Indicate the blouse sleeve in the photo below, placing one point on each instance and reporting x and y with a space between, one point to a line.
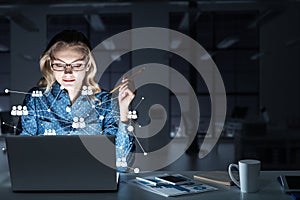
124 140
27 124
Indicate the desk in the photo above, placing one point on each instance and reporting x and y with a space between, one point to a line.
270 189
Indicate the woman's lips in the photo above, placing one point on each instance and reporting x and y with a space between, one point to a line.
68 80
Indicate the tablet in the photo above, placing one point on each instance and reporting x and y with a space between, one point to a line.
290 183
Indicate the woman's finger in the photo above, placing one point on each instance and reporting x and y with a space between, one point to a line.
122 86
121 90
124 79
126 93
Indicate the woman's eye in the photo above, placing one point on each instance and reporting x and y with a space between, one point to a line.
76 65
60 65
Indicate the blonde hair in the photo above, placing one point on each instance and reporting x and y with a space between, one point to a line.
45 65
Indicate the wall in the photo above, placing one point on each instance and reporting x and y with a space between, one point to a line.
279 81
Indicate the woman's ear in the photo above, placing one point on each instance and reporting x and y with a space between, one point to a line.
88 67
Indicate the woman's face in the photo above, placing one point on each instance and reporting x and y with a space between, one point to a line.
69 68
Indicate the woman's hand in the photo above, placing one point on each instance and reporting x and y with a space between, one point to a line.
125 98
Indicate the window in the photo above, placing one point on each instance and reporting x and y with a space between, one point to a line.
232 44
5 63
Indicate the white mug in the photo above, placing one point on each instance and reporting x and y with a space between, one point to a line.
249 171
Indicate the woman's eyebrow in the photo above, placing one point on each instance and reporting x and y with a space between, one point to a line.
80 59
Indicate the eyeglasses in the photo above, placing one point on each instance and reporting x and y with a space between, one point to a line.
59 65
64 66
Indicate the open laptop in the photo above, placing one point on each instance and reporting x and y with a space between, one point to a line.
62 163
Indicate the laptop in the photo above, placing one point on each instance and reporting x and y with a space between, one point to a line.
62 163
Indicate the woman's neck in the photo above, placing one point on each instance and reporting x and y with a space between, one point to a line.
73 94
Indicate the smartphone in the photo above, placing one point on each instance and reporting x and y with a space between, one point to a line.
174 179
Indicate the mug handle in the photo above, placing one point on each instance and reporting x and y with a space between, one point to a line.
230 173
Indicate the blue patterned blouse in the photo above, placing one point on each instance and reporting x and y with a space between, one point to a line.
53 114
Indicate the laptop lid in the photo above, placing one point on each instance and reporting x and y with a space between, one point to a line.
61 163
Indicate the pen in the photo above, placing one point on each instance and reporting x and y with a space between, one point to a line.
129 78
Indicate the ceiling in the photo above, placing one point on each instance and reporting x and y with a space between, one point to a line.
14 2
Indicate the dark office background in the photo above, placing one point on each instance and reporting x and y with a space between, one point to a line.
254 43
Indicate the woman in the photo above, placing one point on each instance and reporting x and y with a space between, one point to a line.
69 101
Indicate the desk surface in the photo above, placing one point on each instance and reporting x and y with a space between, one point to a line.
270 189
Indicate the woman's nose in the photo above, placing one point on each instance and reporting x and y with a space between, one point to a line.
68 70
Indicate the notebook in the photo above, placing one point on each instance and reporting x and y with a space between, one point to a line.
62 163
